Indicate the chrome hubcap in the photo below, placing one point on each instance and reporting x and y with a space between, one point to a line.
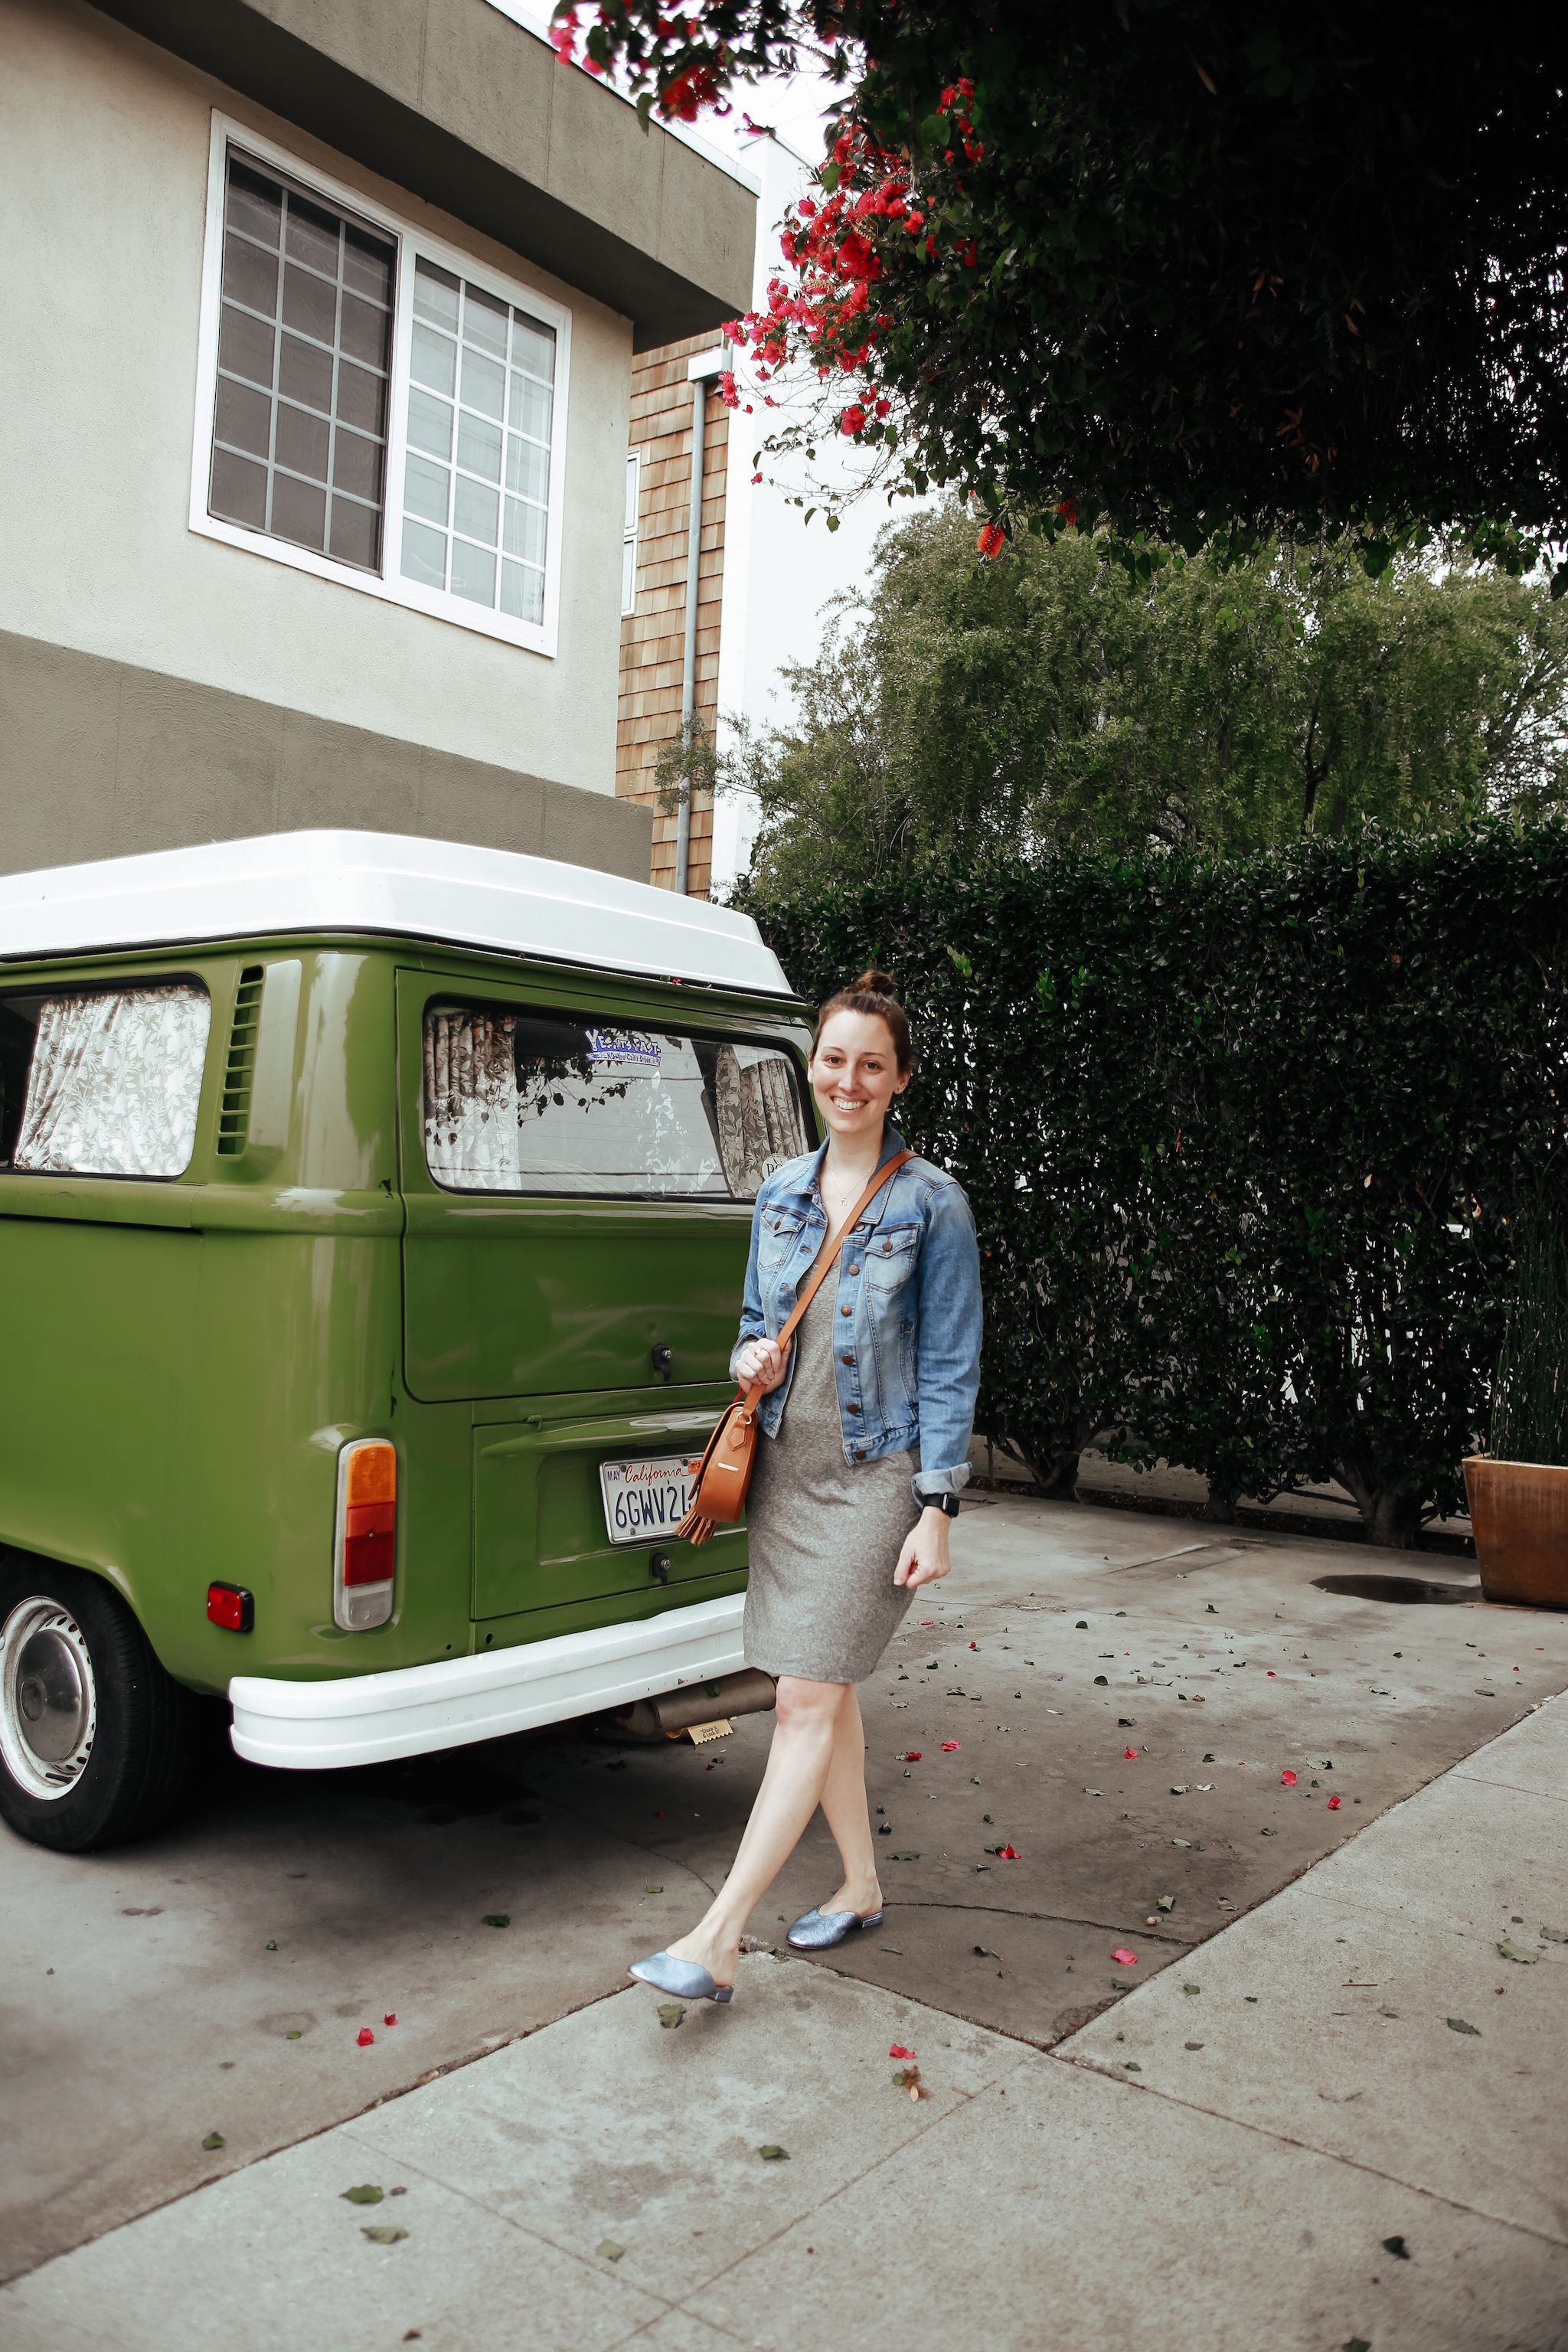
49 1703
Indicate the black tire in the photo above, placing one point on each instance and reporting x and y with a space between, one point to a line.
84 1706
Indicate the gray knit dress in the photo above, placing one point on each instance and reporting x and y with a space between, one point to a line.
824 1535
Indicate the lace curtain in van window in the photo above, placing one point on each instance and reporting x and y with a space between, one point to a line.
115 1082
758 1113
471 1139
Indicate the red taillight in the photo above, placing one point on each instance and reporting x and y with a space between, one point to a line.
232 1607
366 1532
369 1542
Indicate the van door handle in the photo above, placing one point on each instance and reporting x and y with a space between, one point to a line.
664 1361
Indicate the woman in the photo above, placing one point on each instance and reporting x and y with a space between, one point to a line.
864 1445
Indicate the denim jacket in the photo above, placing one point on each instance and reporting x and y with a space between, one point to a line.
907 1331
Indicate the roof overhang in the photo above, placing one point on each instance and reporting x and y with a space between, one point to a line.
383 884
466 108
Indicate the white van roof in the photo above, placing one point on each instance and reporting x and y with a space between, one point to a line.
389 883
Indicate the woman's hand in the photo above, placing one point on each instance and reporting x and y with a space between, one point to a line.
760 1364
925 1555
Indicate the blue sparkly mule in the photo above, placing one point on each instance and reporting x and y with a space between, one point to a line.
818 1931
684 1978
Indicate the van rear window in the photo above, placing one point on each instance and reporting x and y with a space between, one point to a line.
517 1102
102 1082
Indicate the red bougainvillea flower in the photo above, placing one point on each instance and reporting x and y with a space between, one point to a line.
928 1621
1130 1754
912 1754
1288 1780
1067 510
391 2018
1123 1958
975 1645
896 2050
365 2036
852 420
950 1747
755 478
989 543
1334 1804
1271 1673
1008 1853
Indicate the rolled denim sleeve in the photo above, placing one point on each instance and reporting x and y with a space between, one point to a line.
754 1323
949 1317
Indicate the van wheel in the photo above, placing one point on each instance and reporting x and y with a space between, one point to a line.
95 1737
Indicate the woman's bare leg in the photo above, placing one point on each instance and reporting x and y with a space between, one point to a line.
848 1815
813 1723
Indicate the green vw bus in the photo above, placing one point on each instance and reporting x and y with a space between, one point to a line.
374 1216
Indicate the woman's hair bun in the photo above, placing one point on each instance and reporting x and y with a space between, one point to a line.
877 984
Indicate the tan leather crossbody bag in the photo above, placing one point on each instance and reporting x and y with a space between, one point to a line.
724 1472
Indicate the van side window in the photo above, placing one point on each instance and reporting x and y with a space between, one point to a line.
520 1102
103 1082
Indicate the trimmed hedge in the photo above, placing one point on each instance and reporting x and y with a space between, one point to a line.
1244 1139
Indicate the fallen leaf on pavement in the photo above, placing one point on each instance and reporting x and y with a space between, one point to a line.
367 2193
773 2154
608 2248
213 2139
1555 1935
1101 1678
1186 1842
1397 2248
1165 1902
670 2012
981 1952
1178 1788
1094 1793
365 2037
496 1919
384 2233
906 1853
651 1889
1512 1951
1458 2025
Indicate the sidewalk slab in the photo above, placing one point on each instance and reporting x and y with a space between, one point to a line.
1323 2018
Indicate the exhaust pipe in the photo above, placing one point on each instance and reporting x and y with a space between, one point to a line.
750 1692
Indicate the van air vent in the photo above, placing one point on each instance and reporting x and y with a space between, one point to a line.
234 1116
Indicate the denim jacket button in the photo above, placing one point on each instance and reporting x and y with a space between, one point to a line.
844 1310
859 1453
852 1408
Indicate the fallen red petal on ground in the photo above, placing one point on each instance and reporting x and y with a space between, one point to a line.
365 2035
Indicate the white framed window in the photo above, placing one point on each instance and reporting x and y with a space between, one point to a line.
629 535
373 406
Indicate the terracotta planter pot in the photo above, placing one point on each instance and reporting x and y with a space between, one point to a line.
1518 1511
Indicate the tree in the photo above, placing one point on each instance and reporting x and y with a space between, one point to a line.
965 708
1195 265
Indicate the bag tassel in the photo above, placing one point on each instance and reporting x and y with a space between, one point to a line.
694 1529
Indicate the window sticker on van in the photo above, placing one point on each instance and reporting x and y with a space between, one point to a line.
519 1102
113 1079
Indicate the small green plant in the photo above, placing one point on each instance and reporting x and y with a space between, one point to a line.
1530 1393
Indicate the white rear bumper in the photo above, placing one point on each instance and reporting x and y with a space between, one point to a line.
367 1719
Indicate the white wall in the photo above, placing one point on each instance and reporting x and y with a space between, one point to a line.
105 142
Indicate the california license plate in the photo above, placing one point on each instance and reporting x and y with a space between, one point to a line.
645 1500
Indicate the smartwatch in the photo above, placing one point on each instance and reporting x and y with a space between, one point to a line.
946 1504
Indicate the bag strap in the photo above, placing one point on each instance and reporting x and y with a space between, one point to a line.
827 1258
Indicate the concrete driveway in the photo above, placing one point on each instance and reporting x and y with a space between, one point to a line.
217 1979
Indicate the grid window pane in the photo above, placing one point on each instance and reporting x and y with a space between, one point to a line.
238 490
356 533
311 400
522 593
473 572
244 418
478 446
299 511
428 489
436 293
492 366
429 425
303 442
424 555
476 511
527 469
